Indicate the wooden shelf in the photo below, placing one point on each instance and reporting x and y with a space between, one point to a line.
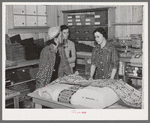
24 64
28 30
31 15
132 50
125 24
134 77
86 10
18 83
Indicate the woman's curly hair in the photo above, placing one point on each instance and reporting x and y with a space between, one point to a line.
102 31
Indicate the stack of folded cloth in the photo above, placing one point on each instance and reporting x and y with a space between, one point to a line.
28 49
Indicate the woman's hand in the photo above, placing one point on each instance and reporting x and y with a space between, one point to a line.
90 78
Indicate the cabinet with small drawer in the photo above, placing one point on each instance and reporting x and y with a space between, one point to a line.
29 16
83 22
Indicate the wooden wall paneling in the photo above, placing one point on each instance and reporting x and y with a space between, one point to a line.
51 11
128 14
6 20
137 13
129 29
126 18
118 29
35 36
137 29
43 35
62 7
117 13
58 10
9 17
27 35
123 18
111 16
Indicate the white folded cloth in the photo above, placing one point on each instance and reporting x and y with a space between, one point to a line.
94 97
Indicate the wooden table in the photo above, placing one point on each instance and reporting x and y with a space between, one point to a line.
39 102
11 94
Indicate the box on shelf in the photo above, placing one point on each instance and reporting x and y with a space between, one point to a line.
15 52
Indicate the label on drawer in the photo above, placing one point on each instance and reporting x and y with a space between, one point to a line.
69 16
78 20
87 19
77 16
69 20
97 16
87 23
69 23
78 23
97 23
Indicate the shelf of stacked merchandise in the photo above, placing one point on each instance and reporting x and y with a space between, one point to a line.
129 46
130 55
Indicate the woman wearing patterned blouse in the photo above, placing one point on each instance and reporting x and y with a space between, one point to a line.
53 62
104 60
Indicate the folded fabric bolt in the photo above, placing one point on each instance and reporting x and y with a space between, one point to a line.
52 91
93 97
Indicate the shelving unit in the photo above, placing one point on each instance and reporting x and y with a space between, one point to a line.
126 61
125 77
23 87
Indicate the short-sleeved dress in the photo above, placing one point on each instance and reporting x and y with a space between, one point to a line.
105 59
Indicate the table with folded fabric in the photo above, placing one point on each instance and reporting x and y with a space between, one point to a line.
40 101
74 91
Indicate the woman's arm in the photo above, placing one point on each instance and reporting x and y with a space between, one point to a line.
115 63
93 62
73 53
93 67
113 73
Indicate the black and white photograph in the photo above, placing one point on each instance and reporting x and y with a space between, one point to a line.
75 61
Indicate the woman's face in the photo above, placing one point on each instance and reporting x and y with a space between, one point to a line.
65 33
59 38
98 37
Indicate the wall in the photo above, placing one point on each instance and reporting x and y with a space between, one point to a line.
128 14
55 18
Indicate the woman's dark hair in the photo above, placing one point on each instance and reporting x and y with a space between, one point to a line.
102 31
63 27
52 40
